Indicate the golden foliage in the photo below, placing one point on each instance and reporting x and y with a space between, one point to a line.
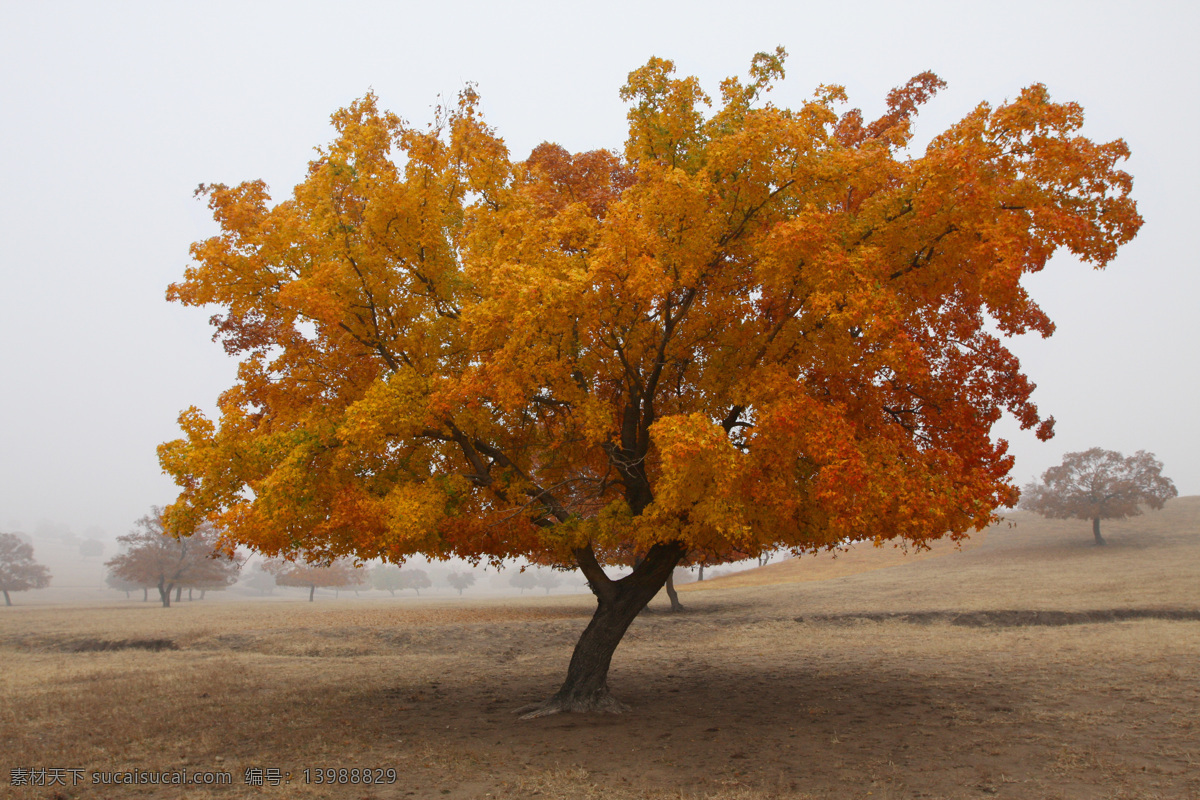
760 327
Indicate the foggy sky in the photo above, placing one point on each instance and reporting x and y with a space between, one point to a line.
112 114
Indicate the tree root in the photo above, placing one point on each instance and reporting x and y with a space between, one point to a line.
605 704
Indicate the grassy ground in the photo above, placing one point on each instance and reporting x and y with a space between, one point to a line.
916 678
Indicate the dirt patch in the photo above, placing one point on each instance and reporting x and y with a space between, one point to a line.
1007 618
53 645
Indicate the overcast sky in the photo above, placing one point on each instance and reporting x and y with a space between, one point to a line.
112 113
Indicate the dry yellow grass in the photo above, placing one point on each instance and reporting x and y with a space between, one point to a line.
773 691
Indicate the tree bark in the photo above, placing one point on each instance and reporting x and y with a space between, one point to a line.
701 574
617 604
7 599
145 593
311 591
178 592
1096 530
164 593
675 604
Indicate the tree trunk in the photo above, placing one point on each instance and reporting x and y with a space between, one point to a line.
311 591
189 594
164 593
178 592
1096 530
145 594
202 593
675 604
617 604
7 599
701 574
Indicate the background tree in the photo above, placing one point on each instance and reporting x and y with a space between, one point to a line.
548 579
415 579
461 581
157 558
757 328
115 581
18 570
222 574
386 578
335 574
1099 484
524 579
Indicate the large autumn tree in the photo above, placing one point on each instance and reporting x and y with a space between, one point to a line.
756 327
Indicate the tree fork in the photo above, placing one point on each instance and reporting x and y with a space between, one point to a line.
617 604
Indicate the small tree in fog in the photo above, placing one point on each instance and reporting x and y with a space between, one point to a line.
18 571
386 578
524 579
415 579
548 579
391 579
156 558
460 581
1099 484
337 574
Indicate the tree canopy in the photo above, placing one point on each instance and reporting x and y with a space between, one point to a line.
756 327
1099 484
19 571
335 574
155 557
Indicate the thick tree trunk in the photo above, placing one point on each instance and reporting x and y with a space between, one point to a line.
178 593
164 593
617 604
1096 530
675 604
701 574
7 599
311 591
145 594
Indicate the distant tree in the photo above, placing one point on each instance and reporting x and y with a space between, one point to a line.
391 578
415 579
157 558
1099 484
91 548
524 579
224 573
115 581
18 571
460 581
548 579
336 574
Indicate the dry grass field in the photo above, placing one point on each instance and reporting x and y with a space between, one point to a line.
873 675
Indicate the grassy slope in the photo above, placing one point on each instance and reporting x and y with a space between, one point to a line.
1022 561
